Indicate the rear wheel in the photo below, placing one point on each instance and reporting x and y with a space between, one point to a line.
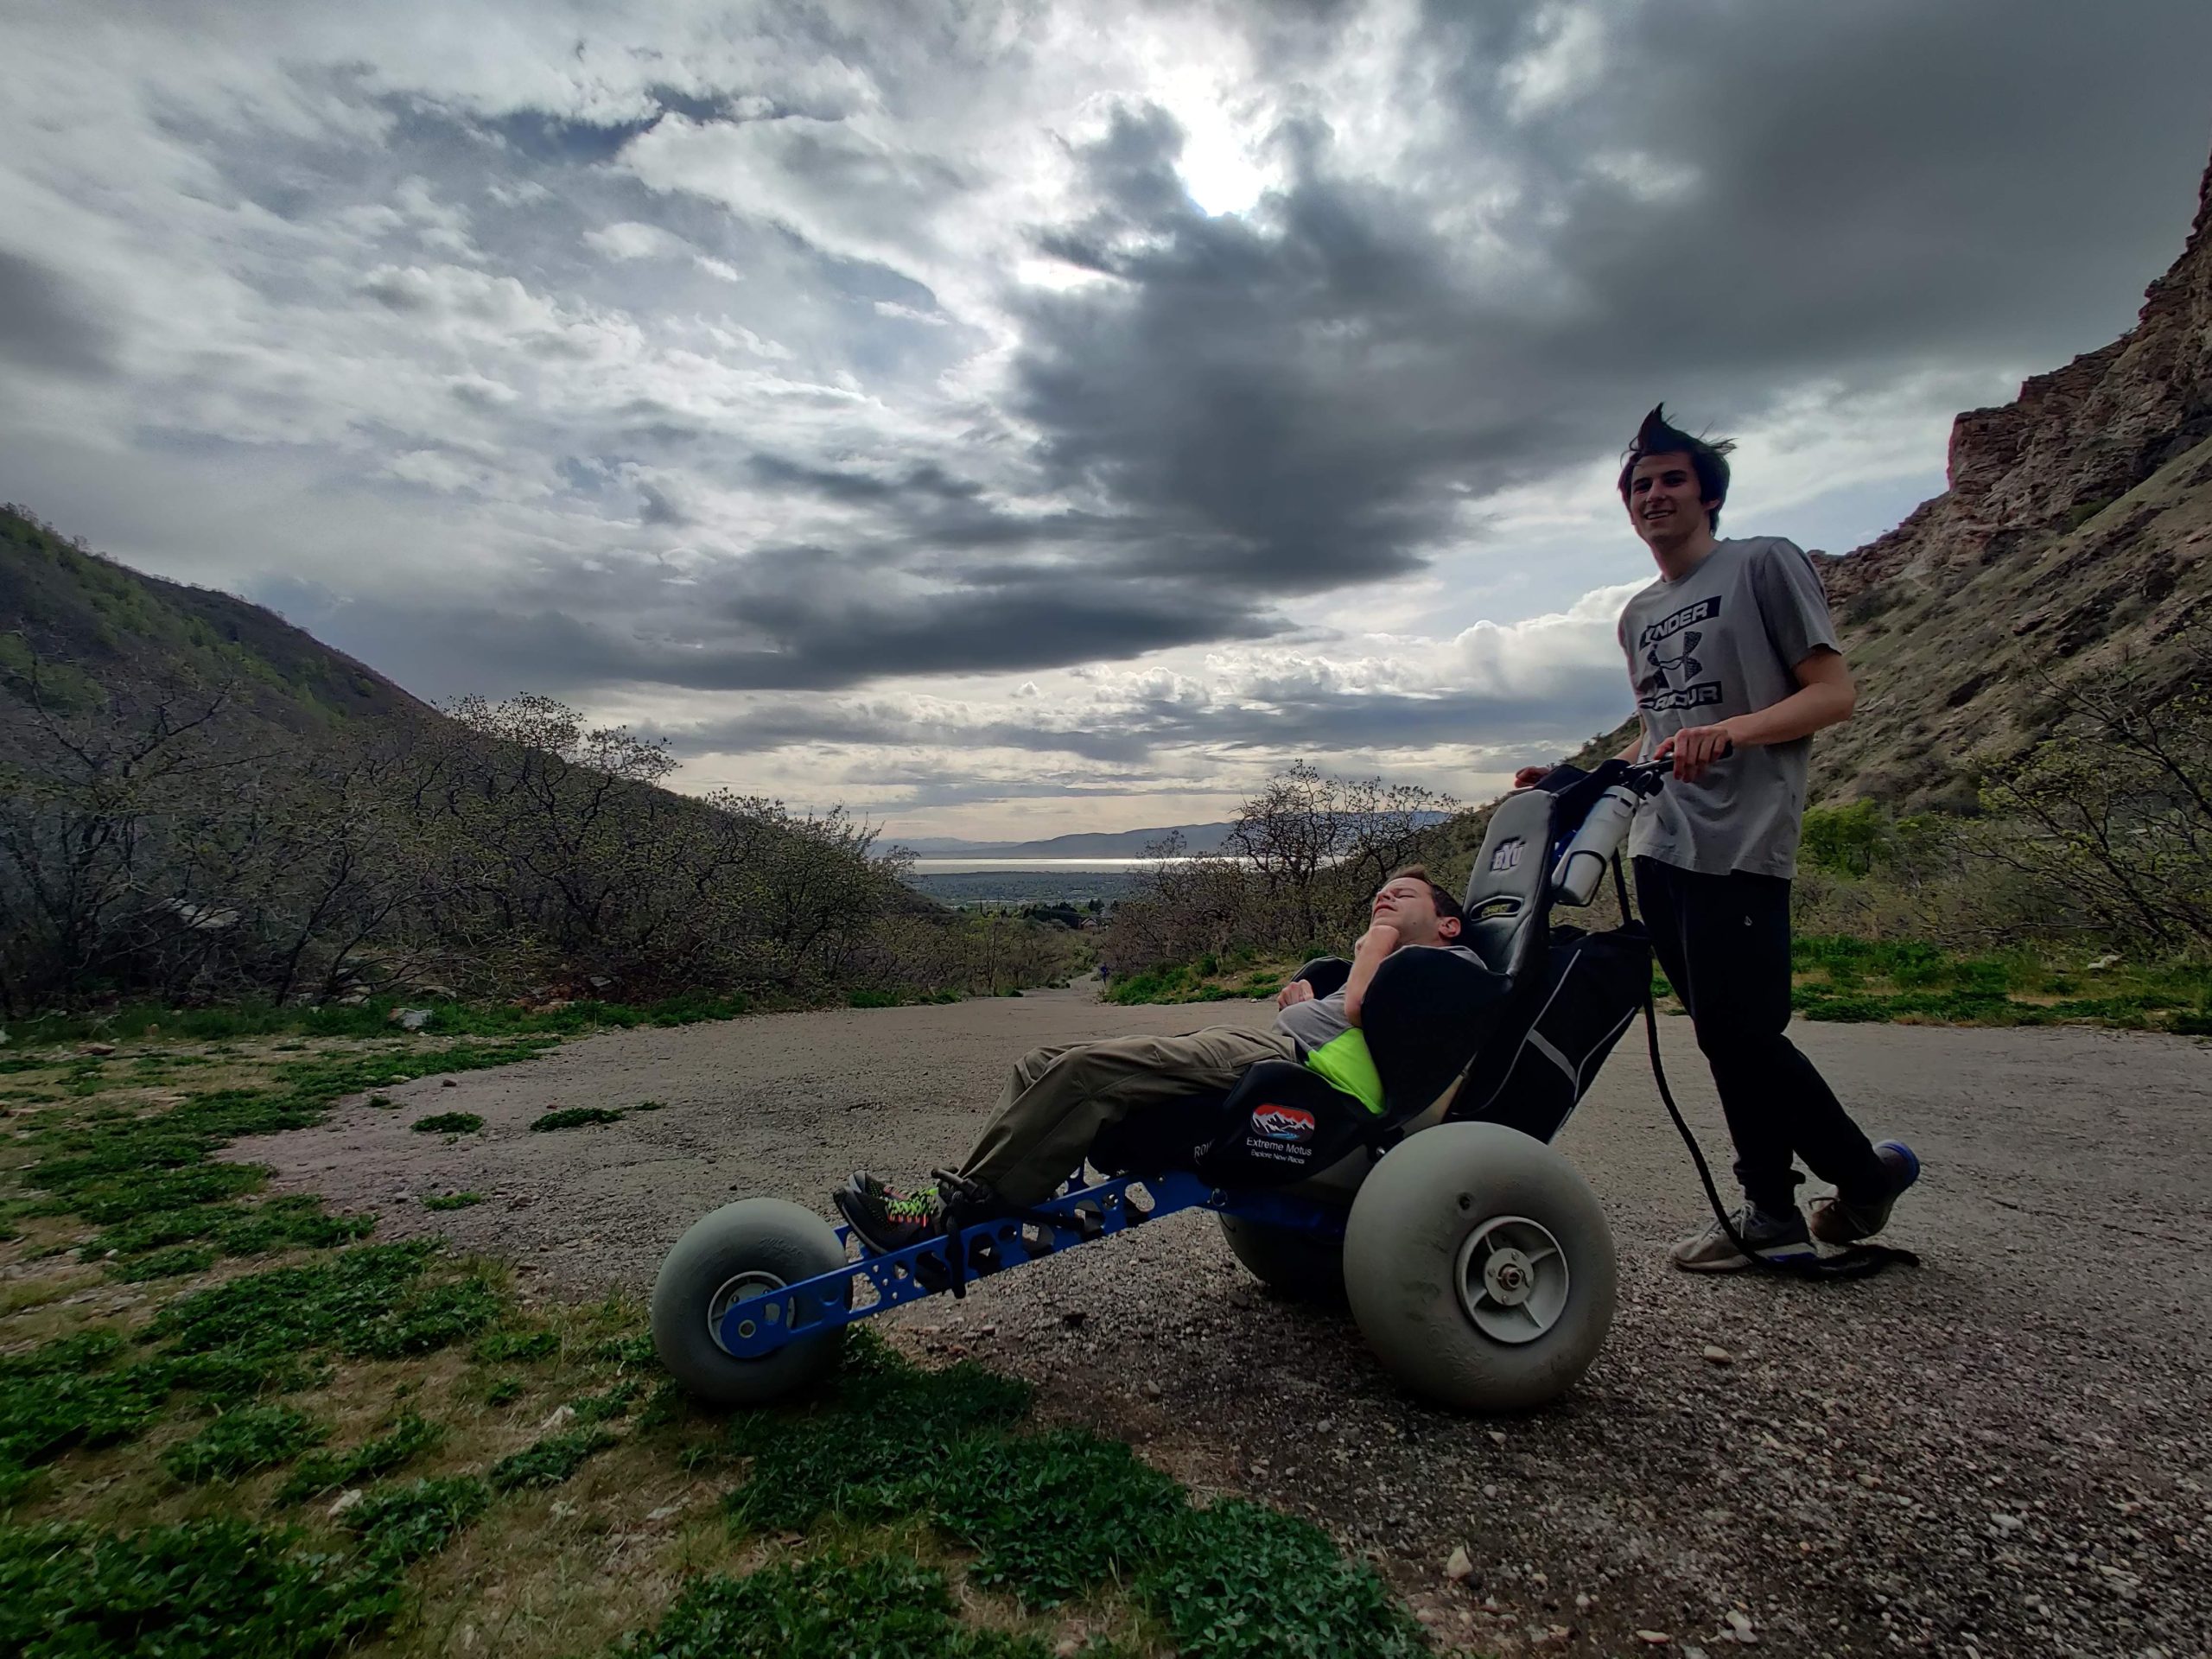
1303 1265
1480 1268
741 1250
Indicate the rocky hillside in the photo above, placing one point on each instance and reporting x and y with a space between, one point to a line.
2073 540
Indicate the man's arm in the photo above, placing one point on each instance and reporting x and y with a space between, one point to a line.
1825 697
1378 941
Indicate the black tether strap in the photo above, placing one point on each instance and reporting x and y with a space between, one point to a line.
1853 1262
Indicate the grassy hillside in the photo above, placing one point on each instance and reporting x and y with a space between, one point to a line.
89 623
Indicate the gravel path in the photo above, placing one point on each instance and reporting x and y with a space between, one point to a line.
1999 1454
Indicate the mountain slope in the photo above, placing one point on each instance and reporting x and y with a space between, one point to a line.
91 622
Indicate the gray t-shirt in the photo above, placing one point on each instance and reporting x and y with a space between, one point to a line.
1318 1023
1724 640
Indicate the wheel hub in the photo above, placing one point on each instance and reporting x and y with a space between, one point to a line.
732 1291
1509 1277
1512 1279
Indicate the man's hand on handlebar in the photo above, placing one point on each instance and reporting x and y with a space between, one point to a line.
1297 991
1694 748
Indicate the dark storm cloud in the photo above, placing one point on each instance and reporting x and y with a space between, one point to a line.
46 325
1749 199
803 619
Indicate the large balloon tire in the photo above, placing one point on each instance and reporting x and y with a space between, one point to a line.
738 1250
1480 1269
1297 1264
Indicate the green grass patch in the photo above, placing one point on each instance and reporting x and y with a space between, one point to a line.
240 1442
400 1524
202 1590
1242 1581
327 1472
606 1406
374 1018
1210 979
830 1607
502 1346
171 1263
452 1200
447 1124
372 1301
551 1460
1859 980
576 1117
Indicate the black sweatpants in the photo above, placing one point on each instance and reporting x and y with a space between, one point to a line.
1723 944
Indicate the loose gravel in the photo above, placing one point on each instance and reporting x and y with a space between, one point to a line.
2000 1453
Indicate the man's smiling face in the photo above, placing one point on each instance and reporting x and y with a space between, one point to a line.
1663 500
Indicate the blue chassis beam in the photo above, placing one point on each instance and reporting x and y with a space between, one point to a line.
759 1324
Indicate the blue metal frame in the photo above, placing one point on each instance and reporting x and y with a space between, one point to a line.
759 1324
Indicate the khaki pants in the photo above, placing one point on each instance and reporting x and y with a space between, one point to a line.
1059 1099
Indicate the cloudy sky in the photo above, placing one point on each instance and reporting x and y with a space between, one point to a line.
1013 419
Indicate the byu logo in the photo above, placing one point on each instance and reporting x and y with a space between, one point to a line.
1507 856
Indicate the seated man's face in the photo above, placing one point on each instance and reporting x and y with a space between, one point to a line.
1408 906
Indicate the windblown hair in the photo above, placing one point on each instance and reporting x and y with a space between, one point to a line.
1656 437
1446 904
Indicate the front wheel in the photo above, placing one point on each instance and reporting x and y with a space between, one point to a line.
1480 1268
741 1250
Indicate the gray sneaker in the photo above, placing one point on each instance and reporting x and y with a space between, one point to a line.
1835 1222
1778 1238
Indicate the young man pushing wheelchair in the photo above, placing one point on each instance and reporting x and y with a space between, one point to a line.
1734 665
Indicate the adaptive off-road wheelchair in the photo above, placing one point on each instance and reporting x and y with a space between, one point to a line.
1476 1262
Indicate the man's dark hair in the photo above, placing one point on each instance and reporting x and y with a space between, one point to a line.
1445 904
1656 437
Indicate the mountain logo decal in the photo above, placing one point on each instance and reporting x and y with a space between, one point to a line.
1284 1122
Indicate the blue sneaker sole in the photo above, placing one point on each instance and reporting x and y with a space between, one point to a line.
1911 1160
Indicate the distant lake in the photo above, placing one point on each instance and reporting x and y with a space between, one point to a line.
1043 866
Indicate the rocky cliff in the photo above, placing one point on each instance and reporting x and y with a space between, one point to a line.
2073 541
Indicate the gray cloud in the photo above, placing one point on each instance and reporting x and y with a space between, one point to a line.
46 325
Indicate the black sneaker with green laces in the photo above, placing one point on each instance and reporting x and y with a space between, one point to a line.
886 1220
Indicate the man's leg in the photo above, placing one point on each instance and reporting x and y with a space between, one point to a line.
1058 1100
1734 932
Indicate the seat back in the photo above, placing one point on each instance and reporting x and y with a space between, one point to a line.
1508 906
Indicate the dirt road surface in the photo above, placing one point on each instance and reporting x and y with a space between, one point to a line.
2001 1454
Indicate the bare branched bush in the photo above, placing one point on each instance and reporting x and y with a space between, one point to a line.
2108 822
151 845
1293 873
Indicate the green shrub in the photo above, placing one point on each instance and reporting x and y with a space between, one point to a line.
576 1117
452 1200
447 1124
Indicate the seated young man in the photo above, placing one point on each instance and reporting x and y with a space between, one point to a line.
1059 1100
